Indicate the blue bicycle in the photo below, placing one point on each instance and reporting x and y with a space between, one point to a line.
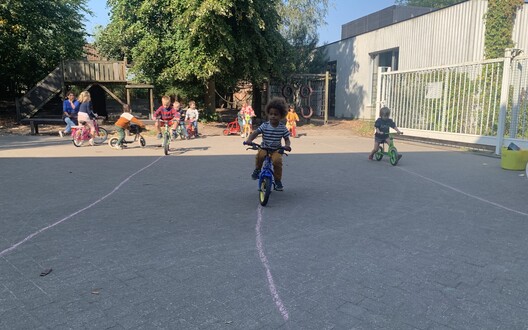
266 182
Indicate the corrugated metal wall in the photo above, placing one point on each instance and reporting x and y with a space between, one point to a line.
520 30
449 36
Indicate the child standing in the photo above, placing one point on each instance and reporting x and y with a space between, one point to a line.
192 116
383 124
123 123
291 121
165 112
273 131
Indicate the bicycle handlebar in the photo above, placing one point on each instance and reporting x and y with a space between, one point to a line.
256 146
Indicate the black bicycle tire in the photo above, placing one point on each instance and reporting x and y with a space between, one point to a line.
103 139
113 142
379 154
166 142
393 157
142 141
266 184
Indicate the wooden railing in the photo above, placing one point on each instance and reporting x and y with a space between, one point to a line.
94 71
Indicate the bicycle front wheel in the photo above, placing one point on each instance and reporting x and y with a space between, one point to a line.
265 191
166 142
394 157
100 136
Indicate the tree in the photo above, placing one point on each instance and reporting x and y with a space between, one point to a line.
428 3
34 36
208 42
300 22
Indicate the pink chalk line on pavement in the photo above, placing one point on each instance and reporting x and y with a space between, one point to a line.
77 212
264 260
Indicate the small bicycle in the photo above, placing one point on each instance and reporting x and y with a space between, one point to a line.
180 131
166 136
392 152
266 182
81 133
247 128
191 130
134 129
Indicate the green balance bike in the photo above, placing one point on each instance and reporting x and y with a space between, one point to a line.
391 151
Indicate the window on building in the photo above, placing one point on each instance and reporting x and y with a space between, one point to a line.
387 59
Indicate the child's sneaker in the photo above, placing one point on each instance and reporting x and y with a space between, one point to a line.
158 136
371 157
255 174
279 186
91 142
61 134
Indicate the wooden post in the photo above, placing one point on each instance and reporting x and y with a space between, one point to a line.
327 96
151 95
128 96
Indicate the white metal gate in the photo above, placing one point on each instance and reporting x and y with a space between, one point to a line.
462 103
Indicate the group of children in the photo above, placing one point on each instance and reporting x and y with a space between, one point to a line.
174 115
273 131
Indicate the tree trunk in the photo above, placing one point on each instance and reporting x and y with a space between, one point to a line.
210 104
257 100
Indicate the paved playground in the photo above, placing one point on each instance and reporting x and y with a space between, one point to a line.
138 240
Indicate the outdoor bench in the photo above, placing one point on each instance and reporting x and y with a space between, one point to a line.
34 122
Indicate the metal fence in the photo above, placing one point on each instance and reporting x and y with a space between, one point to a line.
462 102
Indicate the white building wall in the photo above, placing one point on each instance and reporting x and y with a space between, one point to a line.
520 30
451 35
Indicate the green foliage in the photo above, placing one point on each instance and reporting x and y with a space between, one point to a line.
428 3
34 36
500 19
185 44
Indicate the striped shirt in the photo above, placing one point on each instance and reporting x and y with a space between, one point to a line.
272 136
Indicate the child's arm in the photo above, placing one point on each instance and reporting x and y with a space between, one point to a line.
252 136
137 122
287 144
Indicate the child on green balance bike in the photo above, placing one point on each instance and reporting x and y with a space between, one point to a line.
382 136
273 131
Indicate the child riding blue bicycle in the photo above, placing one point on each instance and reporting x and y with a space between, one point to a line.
273 131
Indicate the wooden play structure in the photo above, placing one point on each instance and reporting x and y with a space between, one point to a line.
94 76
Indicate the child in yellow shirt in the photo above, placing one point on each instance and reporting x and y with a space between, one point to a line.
291 121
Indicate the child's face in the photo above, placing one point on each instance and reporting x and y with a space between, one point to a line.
192 105
166 103
274 116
